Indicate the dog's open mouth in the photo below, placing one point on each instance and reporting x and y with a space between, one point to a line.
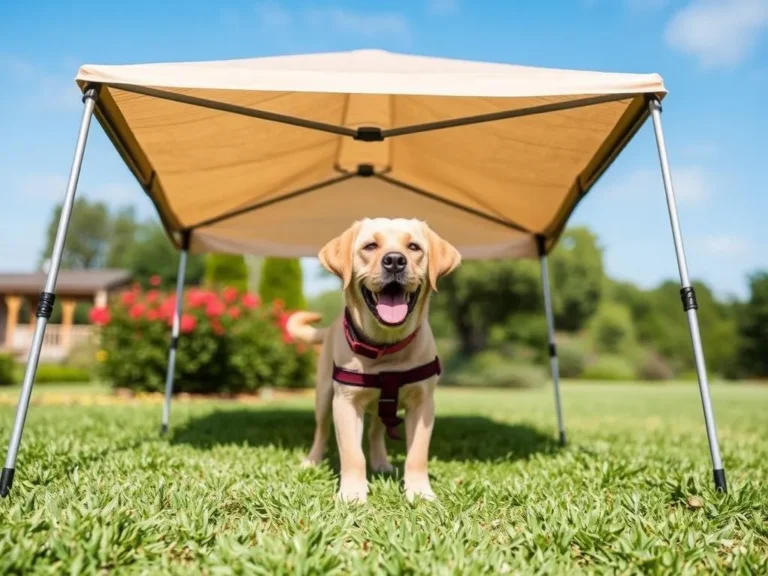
392 304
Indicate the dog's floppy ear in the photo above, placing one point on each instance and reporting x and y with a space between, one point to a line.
336 256
443 257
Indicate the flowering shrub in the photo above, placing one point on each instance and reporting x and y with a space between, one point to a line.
228 342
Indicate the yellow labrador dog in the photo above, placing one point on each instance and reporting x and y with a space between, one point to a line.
379 355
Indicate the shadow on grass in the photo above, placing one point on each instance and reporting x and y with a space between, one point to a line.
455 437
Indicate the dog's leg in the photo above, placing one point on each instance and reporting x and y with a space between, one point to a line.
323 399
419 421
348 422
377 447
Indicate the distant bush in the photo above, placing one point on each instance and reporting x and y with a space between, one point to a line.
228 343
572 355
688 376
492 369
609 367
7 370
61 373
611 329
223 270
528 330
282 281
654 367
329 305
83 355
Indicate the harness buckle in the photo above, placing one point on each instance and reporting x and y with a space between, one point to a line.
387 379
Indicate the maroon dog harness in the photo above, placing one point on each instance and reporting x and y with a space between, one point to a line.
388 382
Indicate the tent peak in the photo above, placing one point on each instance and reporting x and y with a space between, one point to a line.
373 71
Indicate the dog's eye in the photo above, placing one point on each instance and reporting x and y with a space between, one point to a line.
370 246
414 247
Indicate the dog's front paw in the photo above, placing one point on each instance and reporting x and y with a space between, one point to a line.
419 488
356 492
310 462
382 466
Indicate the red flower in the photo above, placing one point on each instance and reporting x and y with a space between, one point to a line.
234 312
198 298
152 314
217 327
278 304
99 316
230 294
214 308
136 311
128 298
167 307
250 301
188 323
154 280
136 287
282 319
152 296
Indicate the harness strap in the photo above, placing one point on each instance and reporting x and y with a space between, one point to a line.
389 383
369 350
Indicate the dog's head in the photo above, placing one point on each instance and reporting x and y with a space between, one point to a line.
388 267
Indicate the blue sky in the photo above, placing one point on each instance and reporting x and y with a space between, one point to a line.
713 55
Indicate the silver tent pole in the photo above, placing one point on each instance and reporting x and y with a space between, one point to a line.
175 332
554 364
48 296
688 296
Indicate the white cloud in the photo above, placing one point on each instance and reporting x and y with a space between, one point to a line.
692 184
701 150
272 16
647 4
389 25
46 186
443 7
49 89
719 33
726 245
294 26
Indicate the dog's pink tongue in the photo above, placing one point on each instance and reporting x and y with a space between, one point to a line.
392 309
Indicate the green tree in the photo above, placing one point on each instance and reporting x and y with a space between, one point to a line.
753 328
612 329
329 304
88 235
123 229
482 294
153 254
576 266
505 297
661 324
223 270
282 279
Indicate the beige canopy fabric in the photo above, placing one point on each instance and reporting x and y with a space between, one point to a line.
275 156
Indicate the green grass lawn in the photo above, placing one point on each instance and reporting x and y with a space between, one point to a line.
98 491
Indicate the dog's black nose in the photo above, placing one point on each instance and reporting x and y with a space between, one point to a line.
394 262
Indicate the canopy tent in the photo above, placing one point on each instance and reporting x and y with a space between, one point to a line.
275 156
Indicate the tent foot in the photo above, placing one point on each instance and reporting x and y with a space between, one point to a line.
163 429
563 441
720 483
6 481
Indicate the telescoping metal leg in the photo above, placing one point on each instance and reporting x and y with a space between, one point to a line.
47 296
552 346
175 333
688 296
